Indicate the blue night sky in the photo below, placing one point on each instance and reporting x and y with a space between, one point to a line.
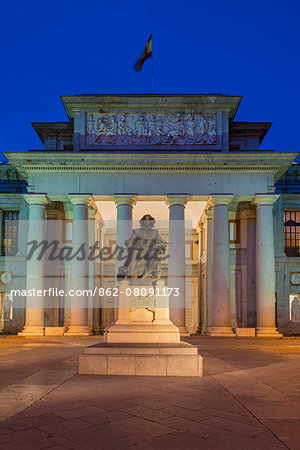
234 47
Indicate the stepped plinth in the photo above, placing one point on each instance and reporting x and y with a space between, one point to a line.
142 341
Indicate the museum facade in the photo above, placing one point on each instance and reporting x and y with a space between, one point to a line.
229 211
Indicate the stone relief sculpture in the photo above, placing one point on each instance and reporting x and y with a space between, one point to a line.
155 129
91 124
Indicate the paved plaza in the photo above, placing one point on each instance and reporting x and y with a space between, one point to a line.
249 397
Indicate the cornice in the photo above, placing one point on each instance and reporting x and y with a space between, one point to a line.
7 196
27 163
154 102
242 129
52 129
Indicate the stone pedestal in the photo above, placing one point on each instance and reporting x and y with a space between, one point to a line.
142 333
142 318
143 340
174 360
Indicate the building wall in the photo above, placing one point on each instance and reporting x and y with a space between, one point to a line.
15 265
286 266
198 309
242 269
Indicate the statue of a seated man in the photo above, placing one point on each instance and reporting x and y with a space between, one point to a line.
145 251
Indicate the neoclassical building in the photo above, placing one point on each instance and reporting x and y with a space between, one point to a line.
229 211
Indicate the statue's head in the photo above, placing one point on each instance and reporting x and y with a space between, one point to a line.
147 221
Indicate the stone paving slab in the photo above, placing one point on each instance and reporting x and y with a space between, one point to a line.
248 399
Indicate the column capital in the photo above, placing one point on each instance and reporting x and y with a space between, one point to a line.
36 199
209 213
220 199
265 199
177 199
81 199
124 199
94 214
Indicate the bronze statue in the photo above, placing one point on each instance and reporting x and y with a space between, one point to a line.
145 249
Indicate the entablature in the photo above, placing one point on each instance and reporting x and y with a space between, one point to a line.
37 162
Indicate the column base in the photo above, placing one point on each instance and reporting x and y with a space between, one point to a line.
219 332
32 330
75 330
98 330
183 331
267 332
201 330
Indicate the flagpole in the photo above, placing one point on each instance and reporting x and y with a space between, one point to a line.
152 76
152 66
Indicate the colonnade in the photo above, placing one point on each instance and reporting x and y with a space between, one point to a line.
218 323
219 318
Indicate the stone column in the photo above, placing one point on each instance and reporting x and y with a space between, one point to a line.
220 314
80 267
248 217
50 301
176 261
35 275
206 295
95 267
124 204
265 266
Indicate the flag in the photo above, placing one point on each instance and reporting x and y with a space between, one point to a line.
146 54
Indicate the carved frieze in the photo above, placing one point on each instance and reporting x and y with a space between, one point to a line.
153 129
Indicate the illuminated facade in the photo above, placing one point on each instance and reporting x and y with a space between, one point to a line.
182 159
